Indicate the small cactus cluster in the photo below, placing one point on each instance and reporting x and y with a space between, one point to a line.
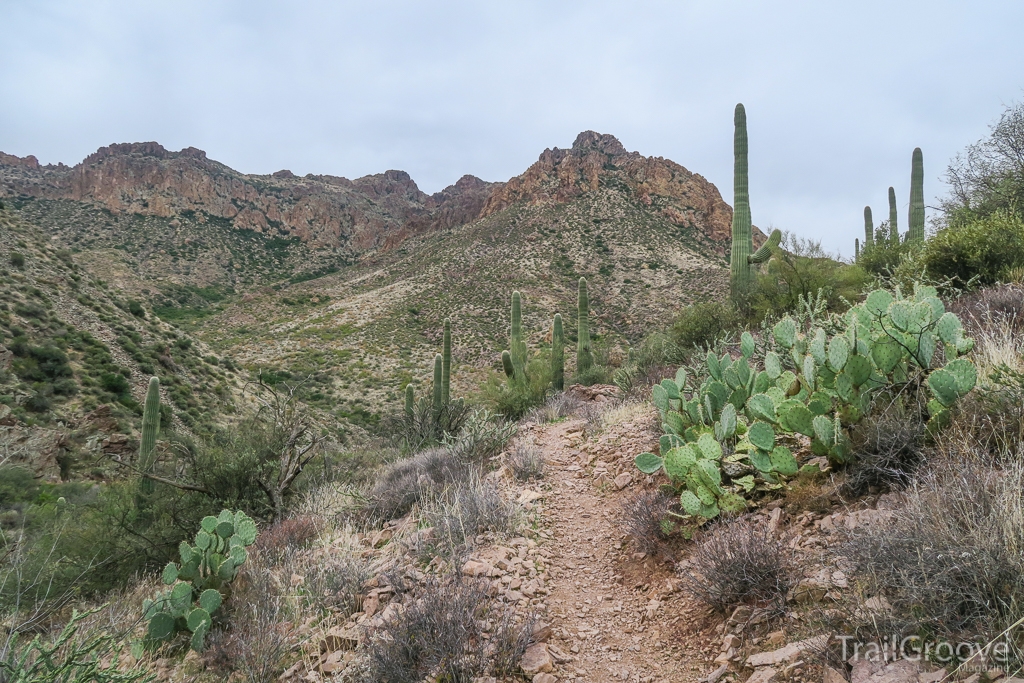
815 385
744 442
515 360
197 584
915 231
440 395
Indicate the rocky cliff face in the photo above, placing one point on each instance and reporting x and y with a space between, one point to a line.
374 211
145 178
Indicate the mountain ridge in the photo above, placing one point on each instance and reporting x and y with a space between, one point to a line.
373 211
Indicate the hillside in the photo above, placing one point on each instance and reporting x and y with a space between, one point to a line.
363 271
75 356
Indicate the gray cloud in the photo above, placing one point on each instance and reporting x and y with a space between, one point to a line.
837 94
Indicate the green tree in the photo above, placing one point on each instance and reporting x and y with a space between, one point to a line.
989 175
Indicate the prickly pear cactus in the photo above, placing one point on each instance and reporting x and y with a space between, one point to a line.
197 584
750 414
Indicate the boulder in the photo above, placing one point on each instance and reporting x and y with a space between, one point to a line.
536 660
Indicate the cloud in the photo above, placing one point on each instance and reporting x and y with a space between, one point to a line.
837 95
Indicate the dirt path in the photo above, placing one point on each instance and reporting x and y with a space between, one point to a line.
617 613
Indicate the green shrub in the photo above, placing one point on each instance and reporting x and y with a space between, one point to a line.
981 249
136 309
513 399
65 387
648 363
39 402
803 269
595 374
39 363
17 259
885 253
701 324
115 383
113 540
17 485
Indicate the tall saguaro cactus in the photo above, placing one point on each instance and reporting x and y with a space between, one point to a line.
150 428
438 396
856 250
869 228
557 354
446 362
584 358
915 231
894 231
516 343
410 401
742 243
741 259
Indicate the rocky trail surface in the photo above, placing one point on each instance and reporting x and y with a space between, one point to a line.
615 614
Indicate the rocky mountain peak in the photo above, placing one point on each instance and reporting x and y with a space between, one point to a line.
141 149
589 141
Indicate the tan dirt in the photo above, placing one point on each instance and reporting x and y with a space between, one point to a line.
619 614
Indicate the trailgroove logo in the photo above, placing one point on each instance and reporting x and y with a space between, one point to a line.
915 649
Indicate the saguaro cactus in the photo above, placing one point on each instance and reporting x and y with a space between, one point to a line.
894 231
869 228
150 428
410 401
557 354
741 258
915 231
742 243
767 249
584 359
516 343
438 403
856 249
446 362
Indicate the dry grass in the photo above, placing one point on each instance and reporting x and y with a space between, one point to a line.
286 536
952 559
558 406
526 462
813 494
441 635
738 561
642 516
258 638
627 411
888 448
407 482
459 513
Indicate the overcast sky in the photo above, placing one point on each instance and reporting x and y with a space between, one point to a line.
837 93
